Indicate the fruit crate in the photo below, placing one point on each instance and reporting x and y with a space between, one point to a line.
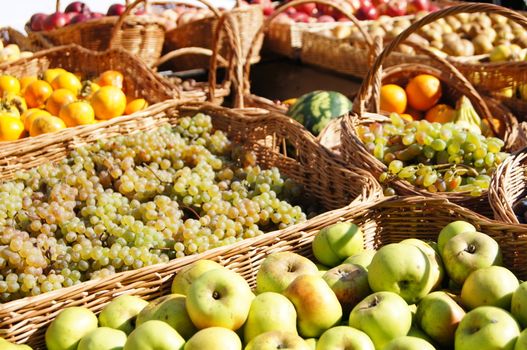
25 320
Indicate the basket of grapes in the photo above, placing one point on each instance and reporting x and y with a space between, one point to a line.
434 136
117 209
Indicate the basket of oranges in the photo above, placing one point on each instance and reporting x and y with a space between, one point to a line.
432 133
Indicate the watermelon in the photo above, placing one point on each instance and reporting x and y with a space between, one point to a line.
314 110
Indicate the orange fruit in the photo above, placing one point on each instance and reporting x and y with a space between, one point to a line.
393 98
8 84
77 113
108 102
46 124
67 81
407 117
37 93
440 113
11 128
135 105
25 81
51 73
28 116
111 78
423 91
59 98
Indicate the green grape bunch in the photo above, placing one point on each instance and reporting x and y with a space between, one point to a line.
132 201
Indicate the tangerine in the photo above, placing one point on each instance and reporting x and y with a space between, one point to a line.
423 91
393 98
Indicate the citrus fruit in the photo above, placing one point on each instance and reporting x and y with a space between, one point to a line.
423 91
393 98
11 128
440 113
108 102
77 113
59 98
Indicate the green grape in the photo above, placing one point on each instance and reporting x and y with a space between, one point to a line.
429 179
395 166
406 172
438 145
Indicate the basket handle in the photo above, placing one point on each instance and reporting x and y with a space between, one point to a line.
247 68
209 5
362 95
187 51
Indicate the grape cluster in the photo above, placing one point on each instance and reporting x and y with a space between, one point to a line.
128 202
437 157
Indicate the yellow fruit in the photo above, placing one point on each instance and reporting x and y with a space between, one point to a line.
135 105
58 99
500 53
50 74
25 81
11 128
16 101
89 88
30 115
108 102
9 83
37 93
77 113
393 98
67 81
10 53
46 124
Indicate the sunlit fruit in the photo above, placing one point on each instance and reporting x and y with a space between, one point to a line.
37 93
135 105
46 124
9 83
67 81
25 81
108 102
77 113
31 114
423 92
50 74
393 98
440 113
58 99
11 128
111 78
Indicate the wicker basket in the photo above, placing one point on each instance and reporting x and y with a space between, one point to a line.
143 35
199 33
259 131
354 152
13 36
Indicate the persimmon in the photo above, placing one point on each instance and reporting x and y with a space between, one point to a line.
393 98
135 105
111 78
37 93
108 102
67 81
46 124
77 113
11 128
423 92
59 98
8 84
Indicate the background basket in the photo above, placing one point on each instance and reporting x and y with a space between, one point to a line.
199 33
259 131
13 36
142 35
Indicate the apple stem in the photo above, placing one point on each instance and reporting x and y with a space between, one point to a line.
471 249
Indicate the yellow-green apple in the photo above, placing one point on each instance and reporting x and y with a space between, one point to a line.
408 343
270 311
450 231
170 309
337 242
361 258
489 286
316 305
214 338
383 316
275 340
5 345
278 270
67 329
184 278
437 271
154 335
438 315
467 252
121 312
403 269
349 282
417 332
521 342
321 269
486 328
519 304
103 338
312 342
219 298
344 337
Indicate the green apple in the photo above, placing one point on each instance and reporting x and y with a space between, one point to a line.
154 335
438 315
67 329
337 242
312 342
5 345
437 271
103 338
450 230
120 313
349 283
521 343
322 268
408 343
214 338
489 286
403 269
316 305
219 298
278 270
519 304
172 310
275 340
417 332
344 337
270 312
184 278
486 328
361 258
469 251
383 316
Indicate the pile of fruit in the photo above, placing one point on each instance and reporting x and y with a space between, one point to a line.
175 15
58 99
413 294
11 52
75 12
127 202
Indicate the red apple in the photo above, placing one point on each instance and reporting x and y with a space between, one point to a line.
37 21
55 20
300 17
394 8
415 6
378 3
268 10
367 13
77 6
81 17
95 15
326 19
116 10
433 8
309 8
291 11
348 5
